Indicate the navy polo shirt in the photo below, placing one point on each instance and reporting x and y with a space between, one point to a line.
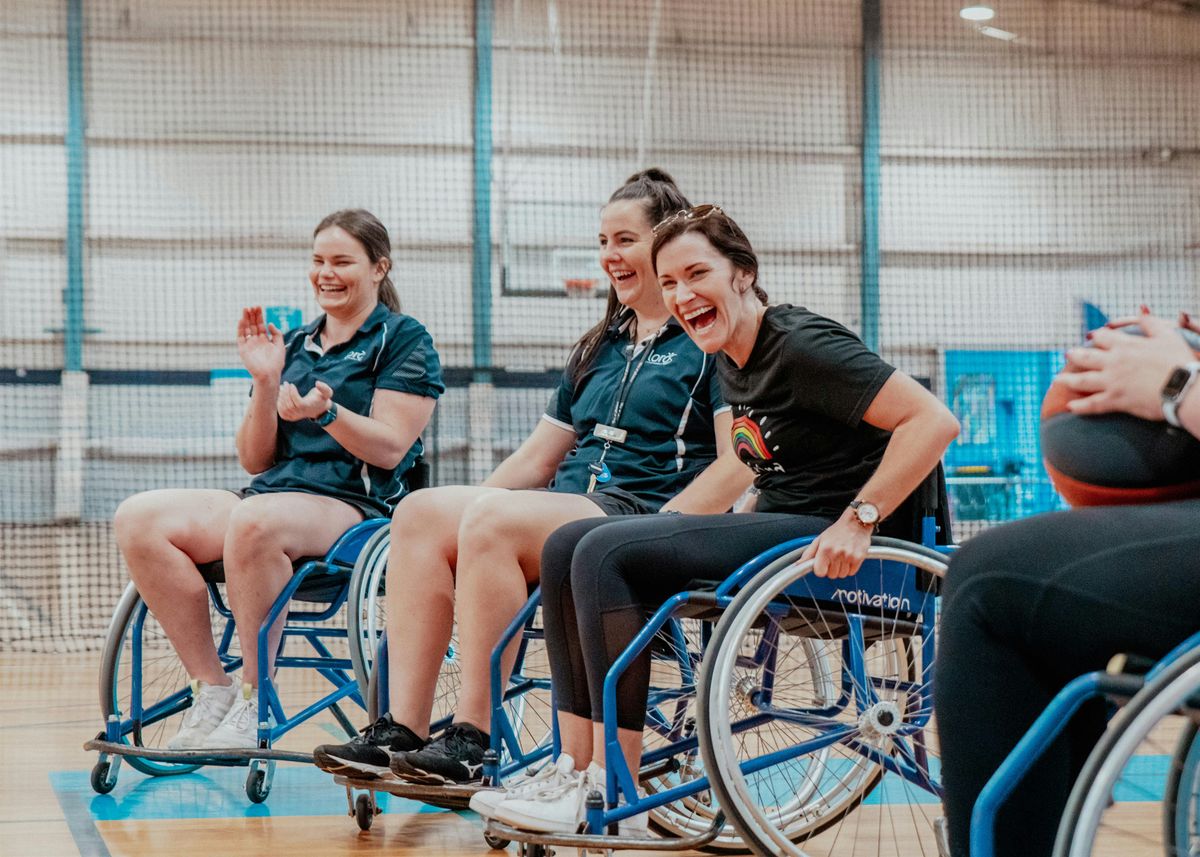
668 414
389 352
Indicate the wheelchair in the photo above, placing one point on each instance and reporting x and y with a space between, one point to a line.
807 727
1148 760
144 688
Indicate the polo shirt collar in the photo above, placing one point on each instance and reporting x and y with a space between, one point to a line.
377 317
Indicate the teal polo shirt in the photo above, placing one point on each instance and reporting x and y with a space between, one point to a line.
667 413
389 351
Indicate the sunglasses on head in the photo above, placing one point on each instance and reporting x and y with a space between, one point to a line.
688 215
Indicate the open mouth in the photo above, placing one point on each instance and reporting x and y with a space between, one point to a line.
621 276
701 318
332 289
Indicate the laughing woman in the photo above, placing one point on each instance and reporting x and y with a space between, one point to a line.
630 426
837 438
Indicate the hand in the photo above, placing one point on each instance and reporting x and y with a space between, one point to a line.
259 347
293 407
841 549
1123 373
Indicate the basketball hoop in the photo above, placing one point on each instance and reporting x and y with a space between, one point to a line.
578 287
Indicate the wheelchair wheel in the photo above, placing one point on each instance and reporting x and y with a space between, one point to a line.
1105 813
815 714
152 707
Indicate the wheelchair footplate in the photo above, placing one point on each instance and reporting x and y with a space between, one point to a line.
231 757
591 843
360 795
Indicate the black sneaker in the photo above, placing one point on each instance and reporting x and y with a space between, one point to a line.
455 756
367 756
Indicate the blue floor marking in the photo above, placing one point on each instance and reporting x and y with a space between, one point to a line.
297 790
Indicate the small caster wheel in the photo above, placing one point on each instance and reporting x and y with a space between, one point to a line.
496 842
101 784
364 811
256 785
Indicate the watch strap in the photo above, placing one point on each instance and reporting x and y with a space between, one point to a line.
1171 401
327 417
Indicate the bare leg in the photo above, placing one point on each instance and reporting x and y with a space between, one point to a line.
266 532
420 596
631 746
163 535
500 553
575 736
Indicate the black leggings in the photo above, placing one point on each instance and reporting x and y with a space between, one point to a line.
602 577
1029 606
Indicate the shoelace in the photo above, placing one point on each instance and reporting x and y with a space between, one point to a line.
372 731
455 741
203 703
239 716
549 777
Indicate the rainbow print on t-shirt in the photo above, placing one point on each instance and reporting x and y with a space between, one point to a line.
748 438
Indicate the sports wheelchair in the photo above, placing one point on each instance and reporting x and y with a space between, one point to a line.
144 688
1147 763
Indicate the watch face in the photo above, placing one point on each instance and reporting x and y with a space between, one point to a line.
867 513
1176 383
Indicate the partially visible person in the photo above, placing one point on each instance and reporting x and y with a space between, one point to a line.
330 433
1030 605
636 425
839 441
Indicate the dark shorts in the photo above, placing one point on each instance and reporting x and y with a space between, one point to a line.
614 502
366 509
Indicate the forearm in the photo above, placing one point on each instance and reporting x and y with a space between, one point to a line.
374 441
257 434
521 470
915 448
715 490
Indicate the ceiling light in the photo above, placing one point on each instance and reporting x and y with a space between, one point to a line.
997 33
977 13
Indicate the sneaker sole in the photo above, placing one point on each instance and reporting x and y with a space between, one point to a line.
485 802
356 770
515 818
409 774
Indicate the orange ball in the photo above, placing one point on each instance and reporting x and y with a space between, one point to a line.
1115 459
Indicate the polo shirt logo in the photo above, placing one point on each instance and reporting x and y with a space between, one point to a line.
661 359
359 356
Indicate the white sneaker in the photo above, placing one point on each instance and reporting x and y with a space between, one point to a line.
525 785
210 704
555 809
239 728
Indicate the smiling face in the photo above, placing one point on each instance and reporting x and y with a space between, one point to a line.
709 297
625 238
344 279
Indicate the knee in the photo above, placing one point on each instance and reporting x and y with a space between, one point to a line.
418 515
597 565
133 520
252 530
490 523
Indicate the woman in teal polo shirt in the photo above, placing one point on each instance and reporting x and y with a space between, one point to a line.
630 427
351 391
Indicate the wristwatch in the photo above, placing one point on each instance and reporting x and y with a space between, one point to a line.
866 513
327 417
1177 386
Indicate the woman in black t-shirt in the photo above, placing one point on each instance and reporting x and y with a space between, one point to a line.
837 438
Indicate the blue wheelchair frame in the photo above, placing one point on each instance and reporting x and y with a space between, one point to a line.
1043 733
912 763
336 565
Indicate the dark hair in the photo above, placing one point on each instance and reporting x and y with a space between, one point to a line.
722 232
660 196
366 228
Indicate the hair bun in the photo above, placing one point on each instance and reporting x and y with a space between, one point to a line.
651 174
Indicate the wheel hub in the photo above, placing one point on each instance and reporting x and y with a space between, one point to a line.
880 720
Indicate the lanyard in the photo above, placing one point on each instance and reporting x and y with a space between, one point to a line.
627 379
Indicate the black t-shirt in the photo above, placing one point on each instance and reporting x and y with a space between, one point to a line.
797 412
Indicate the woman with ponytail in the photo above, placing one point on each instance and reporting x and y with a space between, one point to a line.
346 394
837 438
637 425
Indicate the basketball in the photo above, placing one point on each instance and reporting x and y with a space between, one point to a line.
1117 459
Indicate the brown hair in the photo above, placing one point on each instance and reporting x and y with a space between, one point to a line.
368 231
721 231
660 196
